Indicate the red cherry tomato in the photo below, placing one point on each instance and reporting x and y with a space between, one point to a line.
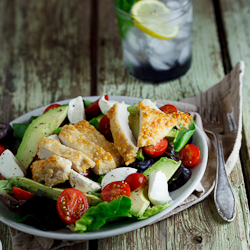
52 106
135 180
190 155
3 148
104 128
157 150
86 173
21 194
71 205
93 109
115 190
168 109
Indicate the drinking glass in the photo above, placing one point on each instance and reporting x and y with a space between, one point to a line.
156 47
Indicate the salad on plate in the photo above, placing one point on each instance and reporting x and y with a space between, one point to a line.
84 164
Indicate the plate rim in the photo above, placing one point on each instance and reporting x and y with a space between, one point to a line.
99 234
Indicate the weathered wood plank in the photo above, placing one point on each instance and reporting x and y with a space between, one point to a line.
44 53
45 57
235 15
199 227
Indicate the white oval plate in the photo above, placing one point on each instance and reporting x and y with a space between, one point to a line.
178 196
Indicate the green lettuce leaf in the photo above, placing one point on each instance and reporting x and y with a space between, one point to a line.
5 186
183 136
150 211
95 217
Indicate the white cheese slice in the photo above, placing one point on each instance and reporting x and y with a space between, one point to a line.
82 183
158 188
118 174
149 103
54 137
10 166
105 105
76 110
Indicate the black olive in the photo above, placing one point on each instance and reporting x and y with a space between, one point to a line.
6 132
142 165
181 176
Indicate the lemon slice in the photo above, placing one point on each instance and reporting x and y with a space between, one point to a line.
150 17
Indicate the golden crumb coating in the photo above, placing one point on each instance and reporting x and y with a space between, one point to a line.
155 125
95 136
124 140
72 138
51 171
48 147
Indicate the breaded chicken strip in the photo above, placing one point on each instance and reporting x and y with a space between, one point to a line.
155 125
48 147
51 171
124 140
71 137
95 136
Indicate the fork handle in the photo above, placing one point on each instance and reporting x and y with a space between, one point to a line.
223 194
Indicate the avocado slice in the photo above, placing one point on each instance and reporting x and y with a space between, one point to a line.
171 136
92 199
139 201
32 186
164 164
43 125
53 193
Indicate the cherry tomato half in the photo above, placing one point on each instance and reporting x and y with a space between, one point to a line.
104 128
190 155
52 106
135 180
157 150
3 148
21 194
115 190
168 109
71 205
93 109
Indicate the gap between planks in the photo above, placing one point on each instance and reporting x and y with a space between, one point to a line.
222 37
93 46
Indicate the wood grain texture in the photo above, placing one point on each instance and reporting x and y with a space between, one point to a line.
238 40
45 54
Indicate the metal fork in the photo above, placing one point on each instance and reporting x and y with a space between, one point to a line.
223 194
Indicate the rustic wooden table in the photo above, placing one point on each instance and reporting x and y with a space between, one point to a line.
55 50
